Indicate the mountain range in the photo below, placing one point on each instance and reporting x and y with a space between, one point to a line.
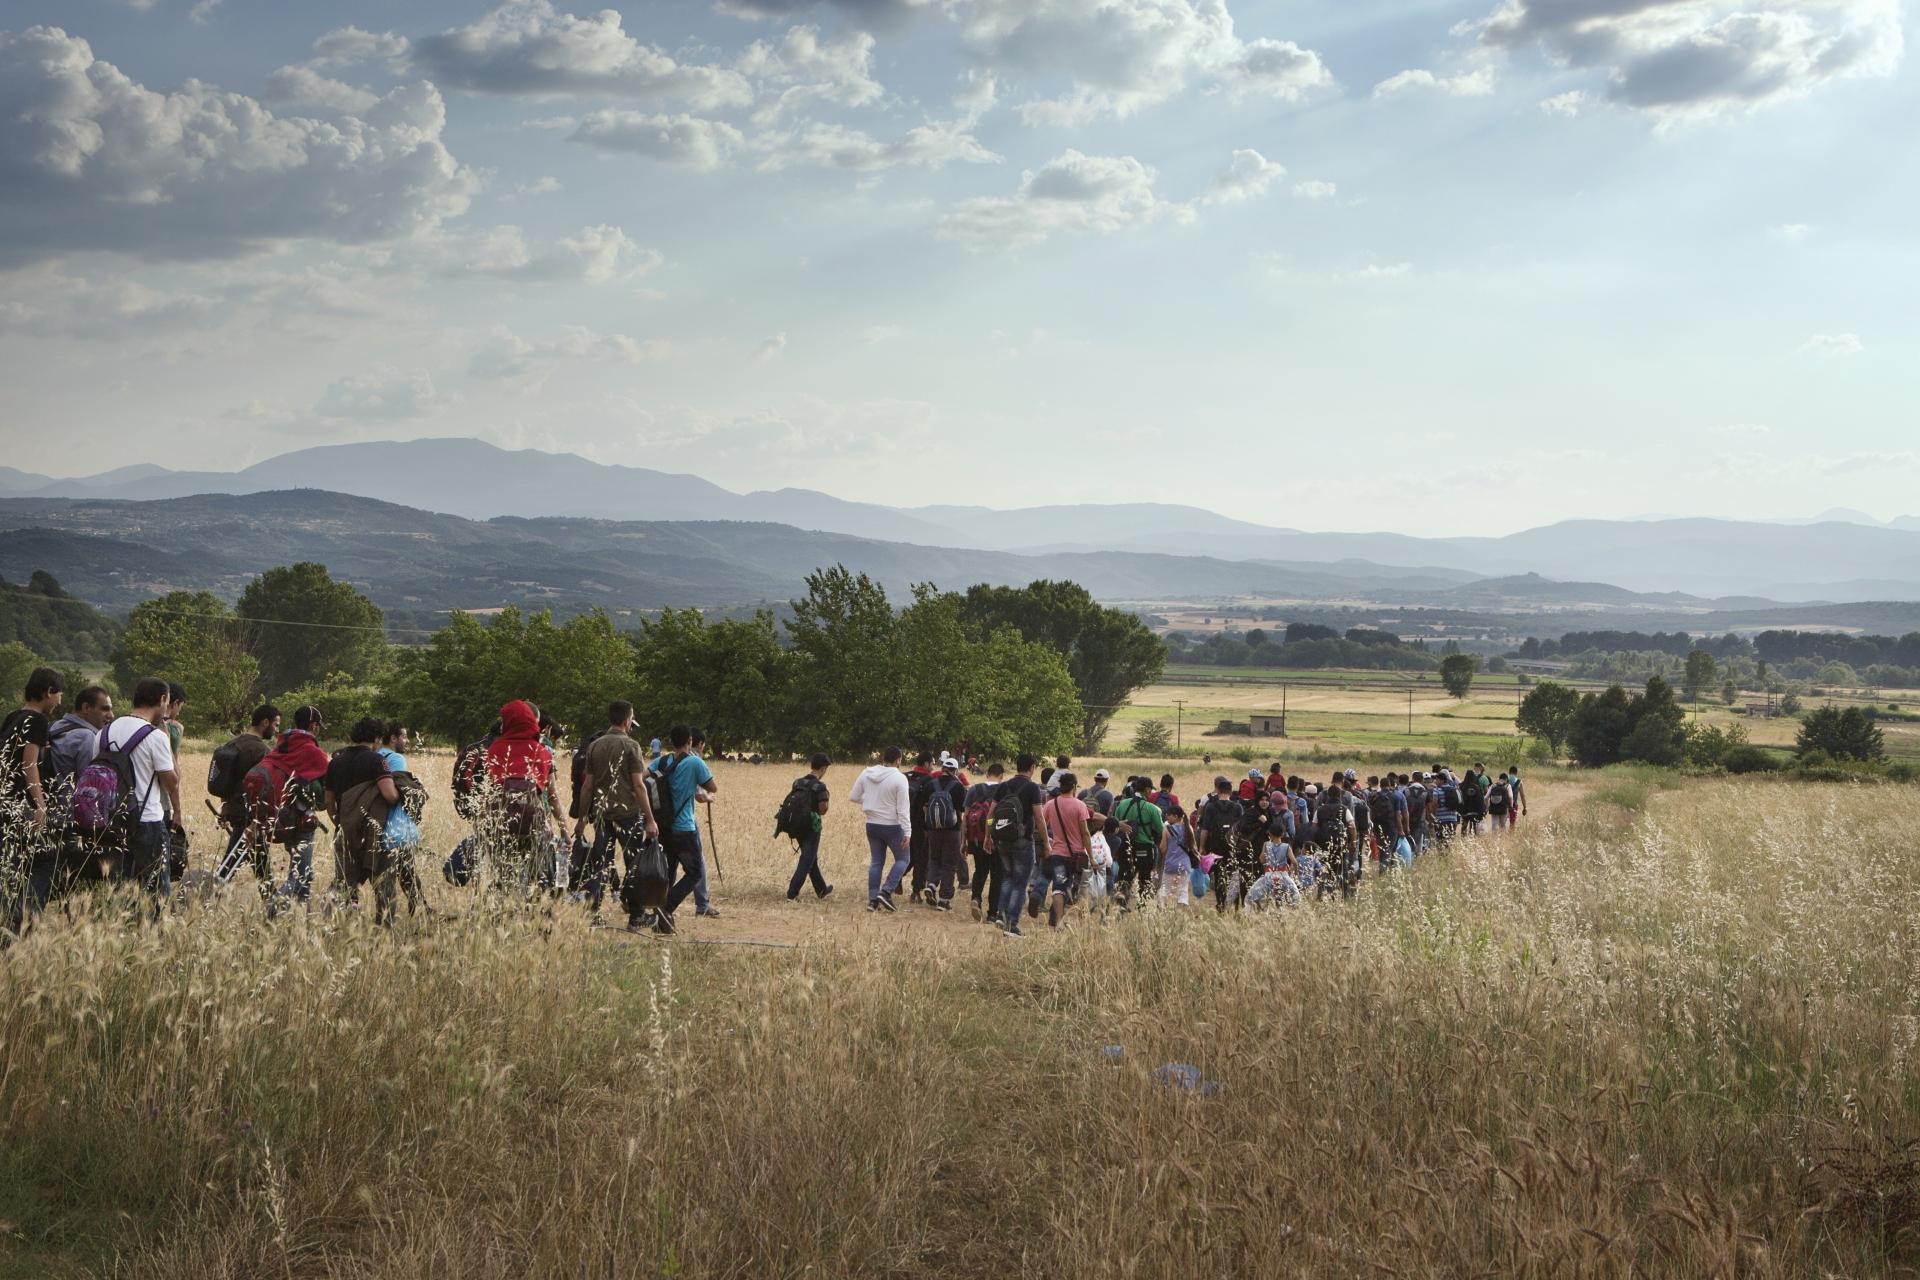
1139 550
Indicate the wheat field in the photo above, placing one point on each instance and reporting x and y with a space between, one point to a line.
1651 1033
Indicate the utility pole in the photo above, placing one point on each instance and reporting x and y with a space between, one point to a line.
1179 716
1409 713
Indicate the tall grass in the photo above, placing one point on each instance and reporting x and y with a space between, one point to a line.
1673 1041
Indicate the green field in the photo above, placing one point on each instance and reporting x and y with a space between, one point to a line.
1341 714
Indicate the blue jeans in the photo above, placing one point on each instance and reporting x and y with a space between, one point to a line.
300 868
808 868
700 899
146 860
684 848
880 841
1016 869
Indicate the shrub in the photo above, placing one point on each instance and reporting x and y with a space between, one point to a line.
1152 738
1747 758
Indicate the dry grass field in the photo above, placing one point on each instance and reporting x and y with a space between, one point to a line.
1652 1033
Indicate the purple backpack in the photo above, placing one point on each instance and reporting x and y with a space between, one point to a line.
103 789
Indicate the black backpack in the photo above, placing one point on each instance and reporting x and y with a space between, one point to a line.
1331 818
1362 814
1010 821
941 812
1416 804
1500 799
577 768
1470 793
1220 817
794 817
469 767
1380 806
919 789
224 773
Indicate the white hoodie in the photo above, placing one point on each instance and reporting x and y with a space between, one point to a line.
881 790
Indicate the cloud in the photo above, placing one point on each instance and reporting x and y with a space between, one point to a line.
770 347
345 46
538 187
1742 430
305 87
832 146
1470 84
45 302
382 394
806 69
90 159
594 255
506 355
527 47
1072 193
1833 346
1681 58
1569 104
682 139
871 14
1375 271
1789 232
875 334
1314 189
1122 56
1249 175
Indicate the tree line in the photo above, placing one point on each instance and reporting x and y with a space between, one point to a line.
1302 646
995 669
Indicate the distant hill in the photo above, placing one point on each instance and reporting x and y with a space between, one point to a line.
1848 555
56 627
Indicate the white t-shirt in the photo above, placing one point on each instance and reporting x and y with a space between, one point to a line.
154 755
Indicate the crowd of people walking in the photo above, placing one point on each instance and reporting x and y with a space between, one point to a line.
96 797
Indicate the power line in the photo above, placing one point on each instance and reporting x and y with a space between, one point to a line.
287 622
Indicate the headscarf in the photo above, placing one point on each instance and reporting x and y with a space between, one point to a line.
519 752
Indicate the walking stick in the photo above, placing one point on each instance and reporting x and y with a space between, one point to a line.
714 840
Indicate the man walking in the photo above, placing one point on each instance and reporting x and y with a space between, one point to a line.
805 830
142 739
1017 821
979 839
881 792
683 780
26 854
944 813
1141 844
614 796
233 762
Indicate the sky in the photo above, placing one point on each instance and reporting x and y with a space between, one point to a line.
1431 266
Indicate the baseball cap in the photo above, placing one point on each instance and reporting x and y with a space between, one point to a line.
1351 775
1313 788
948 762
1101 775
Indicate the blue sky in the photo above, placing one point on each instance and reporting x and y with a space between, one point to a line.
1436 268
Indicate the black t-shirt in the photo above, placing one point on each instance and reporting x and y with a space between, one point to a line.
352 766
1027 792
20 728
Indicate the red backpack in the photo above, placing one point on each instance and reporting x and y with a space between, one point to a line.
979 817
285 812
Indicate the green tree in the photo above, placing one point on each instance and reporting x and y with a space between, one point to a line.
342 701
1152 738
17 663
1730 693
730 678
1547 713
1701 672
191 638
845 683
1017 696
1456 673
1599 727
303 626
1848 734
1110 653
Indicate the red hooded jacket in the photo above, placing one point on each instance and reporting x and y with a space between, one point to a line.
299 756
519 752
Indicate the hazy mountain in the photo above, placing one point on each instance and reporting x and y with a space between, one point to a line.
12 481
475 480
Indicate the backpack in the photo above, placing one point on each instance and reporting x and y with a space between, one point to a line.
523 806
53 771
1009 824
941 815
1499 799
286 808
919 790
224 775
979 818
1362 815
1381 807
1471 794
795 814
577 772
1220 817
1416 804
103 799
1450 798
469 767
660 791
1331 818
1141 831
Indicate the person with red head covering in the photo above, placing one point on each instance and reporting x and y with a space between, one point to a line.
520 773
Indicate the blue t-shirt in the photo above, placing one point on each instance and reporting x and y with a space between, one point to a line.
687 773
396 763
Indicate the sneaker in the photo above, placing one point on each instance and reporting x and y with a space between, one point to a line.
873 904
824 893
1033 907
793 897
978 911
993 918
1012 931
886 901
943 906
663 924
712 913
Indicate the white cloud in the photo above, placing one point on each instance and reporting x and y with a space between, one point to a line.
1123 56
90 159
872 14
1072 193
1790 232
44 301
305 87
506 355
527 47
1742 430
979 91
1381 271
1833 346
803 69
202 10
383 394
1569 104
1249 175
678 139
1314 189
345 46
545 186
832 146
1468 84
593 255
1679 58
770 347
